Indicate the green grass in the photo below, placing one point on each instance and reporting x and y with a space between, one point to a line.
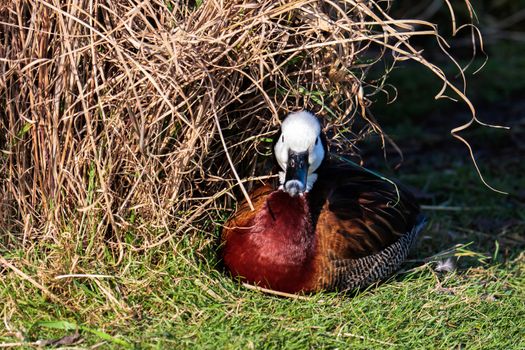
481 308
176 296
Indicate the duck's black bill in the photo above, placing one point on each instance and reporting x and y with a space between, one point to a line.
296 173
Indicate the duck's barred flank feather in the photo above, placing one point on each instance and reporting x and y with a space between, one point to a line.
359 273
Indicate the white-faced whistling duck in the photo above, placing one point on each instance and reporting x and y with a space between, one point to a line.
329 226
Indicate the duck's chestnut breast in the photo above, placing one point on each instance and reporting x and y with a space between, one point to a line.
274 245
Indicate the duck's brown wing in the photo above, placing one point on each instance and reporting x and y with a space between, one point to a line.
365 227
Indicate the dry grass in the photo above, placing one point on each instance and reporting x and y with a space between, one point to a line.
146 117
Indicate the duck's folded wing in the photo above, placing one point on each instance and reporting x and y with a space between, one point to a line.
365 228
367 215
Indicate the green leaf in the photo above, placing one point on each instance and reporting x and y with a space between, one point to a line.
68 326
65 325
24 130
106 336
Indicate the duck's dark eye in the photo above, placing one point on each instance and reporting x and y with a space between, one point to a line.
282 138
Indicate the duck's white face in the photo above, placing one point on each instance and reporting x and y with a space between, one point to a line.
299 151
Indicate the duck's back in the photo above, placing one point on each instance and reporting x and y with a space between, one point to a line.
365 226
